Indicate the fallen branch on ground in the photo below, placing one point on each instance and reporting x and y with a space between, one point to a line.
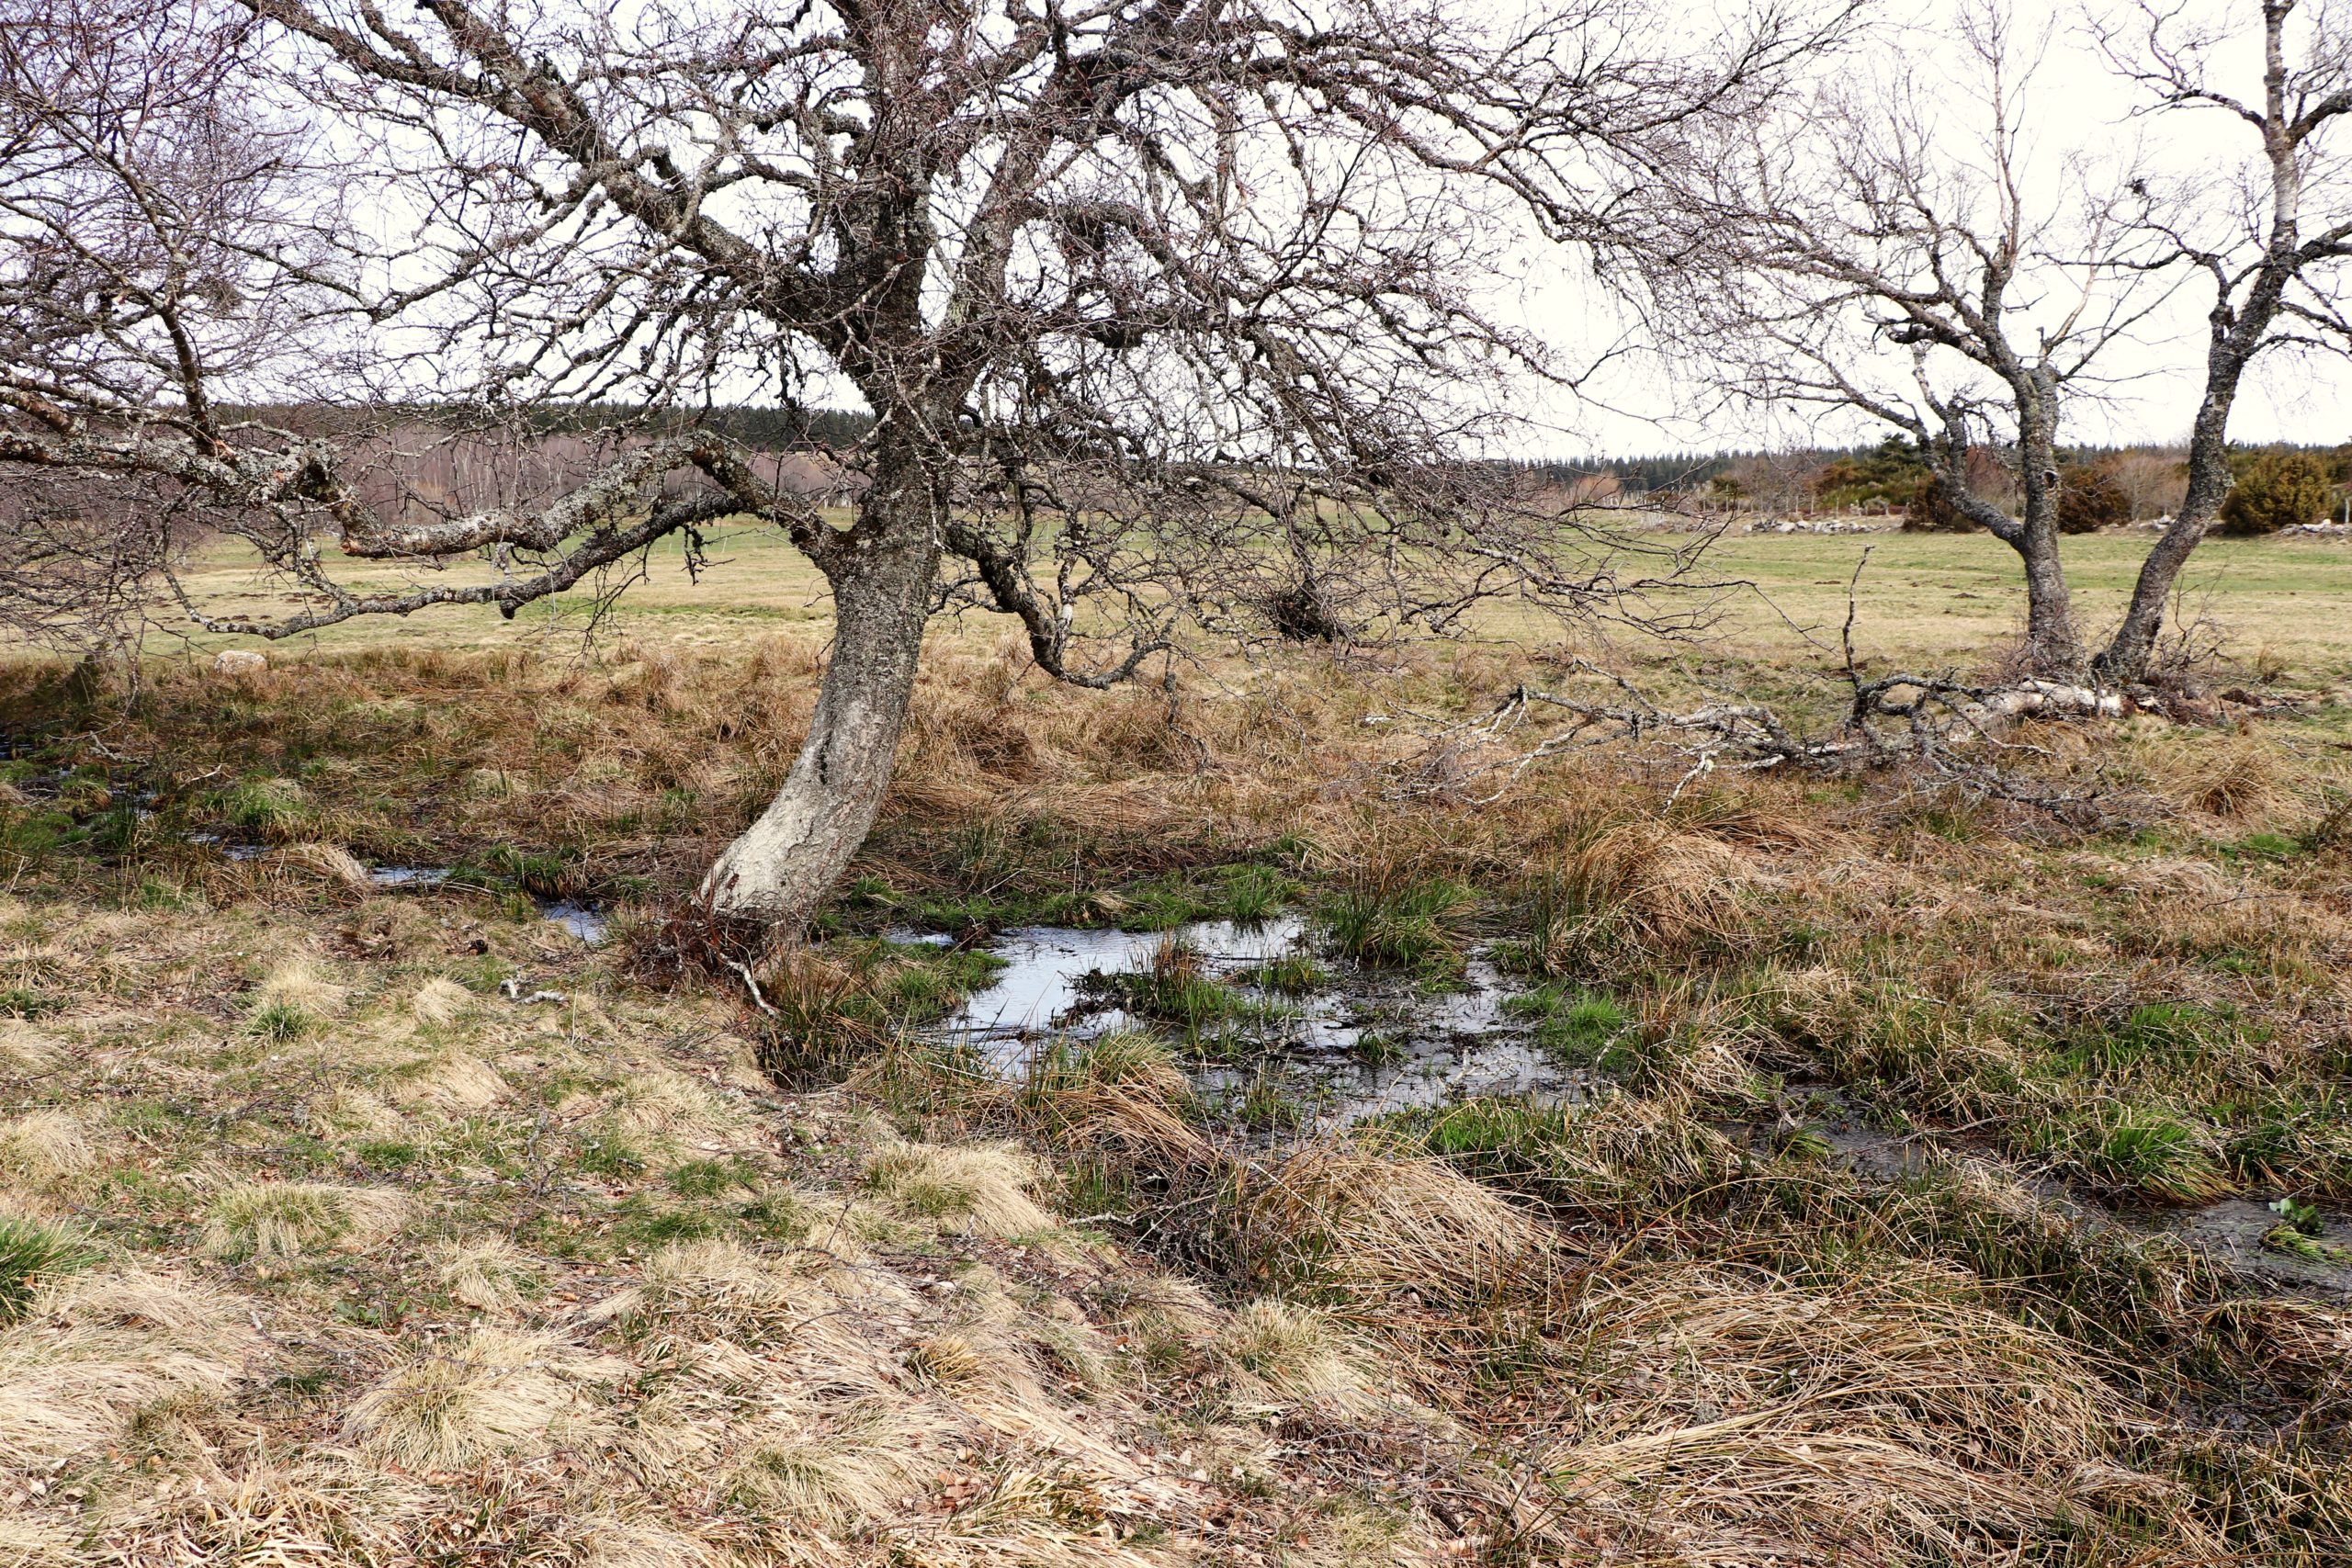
1948 725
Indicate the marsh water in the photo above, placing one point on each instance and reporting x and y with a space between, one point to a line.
1363 1044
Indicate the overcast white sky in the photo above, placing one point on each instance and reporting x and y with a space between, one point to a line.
2075 106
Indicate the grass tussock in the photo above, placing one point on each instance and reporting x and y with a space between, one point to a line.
488 1392
88 1351
1888 1418
982 1188
279 1222
1358 1228
44 1146
837 1471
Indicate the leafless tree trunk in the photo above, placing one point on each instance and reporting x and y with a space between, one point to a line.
789 858
2272 274
1170 313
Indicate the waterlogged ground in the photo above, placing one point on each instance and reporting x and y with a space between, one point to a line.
1272 1056
1289 1062
1853 1113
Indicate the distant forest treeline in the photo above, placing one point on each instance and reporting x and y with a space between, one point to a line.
2116 483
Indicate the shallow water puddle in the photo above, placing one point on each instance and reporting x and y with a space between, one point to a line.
407 876
1367 1043
2234 1231
1039 990
580 917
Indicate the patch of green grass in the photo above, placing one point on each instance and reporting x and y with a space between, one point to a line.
1268 1107
2263 848
2168 1034
1414 925
543 873
645 1226
30 1254
158 894
710 1177
1291 974
608 1155
918 983
36 834
1173 990
866 993
1250 894
778 1216
271 807
20 1001
282 1023
2146 1152
1577 1027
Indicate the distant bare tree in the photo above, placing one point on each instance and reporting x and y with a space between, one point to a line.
1169 312
1884 248
2268 237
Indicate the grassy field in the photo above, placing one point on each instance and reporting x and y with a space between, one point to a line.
1943 598
346 1224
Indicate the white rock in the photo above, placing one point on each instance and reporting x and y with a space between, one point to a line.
239 661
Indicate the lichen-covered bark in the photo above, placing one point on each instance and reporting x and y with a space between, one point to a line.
783 865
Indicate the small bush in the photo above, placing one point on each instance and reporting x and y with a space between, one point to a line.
2089 499
2275 490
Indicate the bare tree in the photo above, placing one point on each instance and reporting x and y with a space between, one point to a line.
1888 247
2268 238
133 188
1169 312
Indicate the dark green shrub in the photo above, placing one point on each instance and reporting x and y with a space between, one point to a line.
2275 490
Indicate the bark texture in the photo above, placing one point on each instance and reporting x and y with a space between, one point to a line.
787 860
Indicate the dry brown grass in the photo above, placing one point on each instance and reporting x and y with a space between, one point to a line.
299 982
43 1146
1887 1418
487 1272
440 1001
2236 776
451 1081
719 1291
487 1392
95 1350
276 1222
329 862
1368 1229
980 1187
837 1471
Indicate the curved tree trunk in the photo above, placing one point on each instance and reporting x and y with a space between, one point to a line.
2127 653
2125 658
788 859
